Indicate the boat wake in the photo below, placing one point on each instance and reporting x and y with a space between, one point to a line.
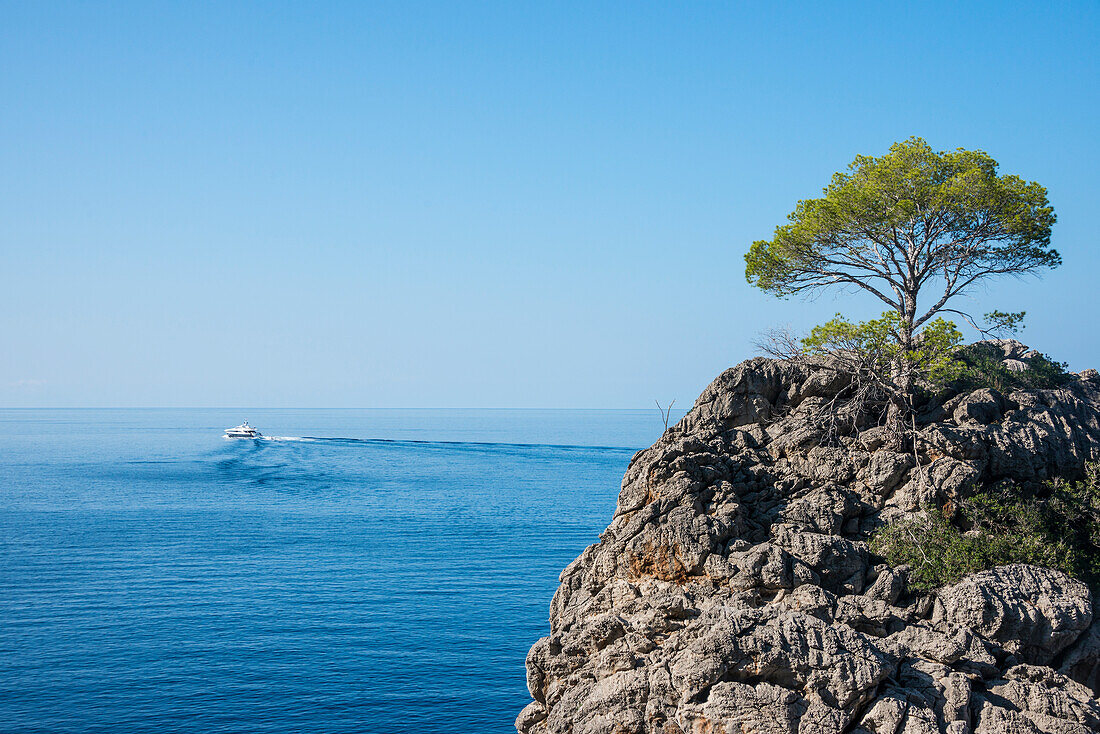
416 442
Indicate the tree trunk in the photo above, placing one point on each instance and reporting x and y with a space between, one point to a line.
901 401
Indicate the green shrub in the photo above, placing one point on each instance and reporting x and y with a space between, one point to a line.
934 549
874 346
1055 524
981 366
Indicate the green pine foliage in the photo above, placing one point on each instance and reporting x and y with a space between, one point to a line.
981 365
890 225
876 344
937 359
1055 524
900 227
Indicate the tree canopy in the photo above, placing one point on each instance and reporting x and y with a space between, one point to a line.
907 222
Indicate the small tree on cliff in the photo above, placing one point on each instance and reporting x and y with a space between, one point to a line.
910 225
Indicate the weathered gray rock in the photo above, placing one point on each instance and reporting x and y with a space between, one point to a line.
1036 699
1082 660
1033 613
983 406
736 707
733 590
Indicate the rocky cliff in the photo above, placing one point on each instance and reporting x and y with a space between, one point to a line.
734 590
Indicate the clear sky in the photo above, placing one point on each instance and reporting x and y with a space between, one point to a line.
408 204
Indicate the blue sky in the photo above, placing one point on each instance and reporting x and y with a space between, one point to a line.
482 204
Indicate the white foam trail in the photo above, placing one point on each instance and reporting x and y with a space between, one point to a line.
288 438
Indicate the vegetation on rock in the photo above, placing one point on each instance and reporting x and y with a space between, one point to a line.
735 588
1054 524
874 347
982 365
898 226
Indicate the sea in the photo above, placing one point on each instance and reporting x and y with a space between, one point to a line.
378 571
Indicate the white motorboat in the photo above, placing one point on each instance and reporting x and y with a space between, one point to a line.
243 431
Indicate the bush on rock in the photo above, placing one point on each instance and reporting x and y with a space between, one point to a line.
1054 524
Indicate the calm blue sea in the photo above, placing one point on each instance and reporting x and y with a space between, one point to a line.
367 571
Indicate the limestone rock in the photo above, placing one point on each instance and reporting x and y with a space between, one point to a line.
1033 613
983 406
1082 661
733 590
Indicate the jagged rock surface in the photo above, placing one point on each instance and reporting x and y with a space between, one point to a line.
734 591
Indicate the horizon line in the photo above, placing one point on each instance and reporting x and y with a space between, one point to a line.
238 407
